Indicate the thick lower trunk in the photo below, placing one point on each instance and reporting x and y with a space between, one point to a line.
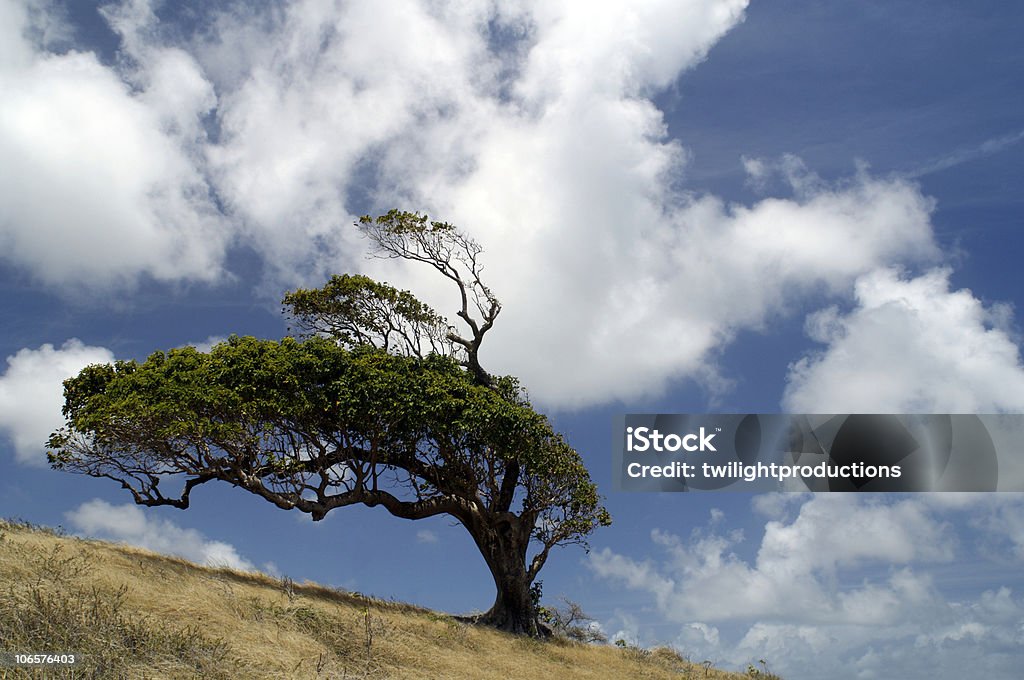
513 610
503 546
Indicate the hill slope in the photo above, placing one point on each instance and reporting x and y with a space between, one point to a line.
136 614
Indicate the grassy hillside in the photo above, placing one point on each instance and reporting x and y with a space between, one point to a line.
136 614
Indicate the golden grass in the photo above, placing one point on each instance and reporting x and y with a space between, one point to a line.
136 614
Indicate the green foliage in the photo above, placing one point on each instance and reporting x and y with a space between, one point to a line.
355 309
401 222
189 404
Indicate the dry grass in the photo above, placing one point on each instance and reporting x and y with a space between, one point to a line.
135 614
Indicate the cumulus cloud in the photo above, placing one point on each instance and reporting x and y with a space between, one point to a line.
979 636
31 393
102 174
909 345
544 143
788 579
847 587
530 124
129 524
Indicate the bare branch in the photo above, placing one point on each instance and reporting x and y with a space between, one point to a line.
411 236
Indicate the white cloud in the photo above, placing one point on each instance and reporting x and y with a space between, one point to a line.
102 178
129 524
788 579
910 345
567 183
698 634
531 124
757 173
1003 528
32 393
988 147
546 146
776 506
207 344
426 536
849 587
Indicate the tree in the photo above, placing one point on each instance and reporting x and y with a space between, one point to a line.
379 402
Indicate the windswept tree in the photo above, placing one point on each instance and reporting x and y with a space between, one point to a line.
380 402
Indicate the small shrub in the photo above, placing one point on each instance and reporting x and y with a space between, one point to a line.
761 673
570 622
633 650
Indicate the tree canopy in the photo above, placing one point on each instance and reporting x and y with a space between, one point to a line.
379 402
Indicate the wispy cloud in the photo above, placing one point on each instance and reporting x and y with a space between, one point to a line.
426 536
966 154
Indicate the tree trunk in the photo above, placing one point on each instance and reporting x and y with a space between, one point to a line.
504 549
513 610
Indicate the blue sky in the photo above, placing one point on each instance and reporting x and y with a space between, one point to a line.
685 207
